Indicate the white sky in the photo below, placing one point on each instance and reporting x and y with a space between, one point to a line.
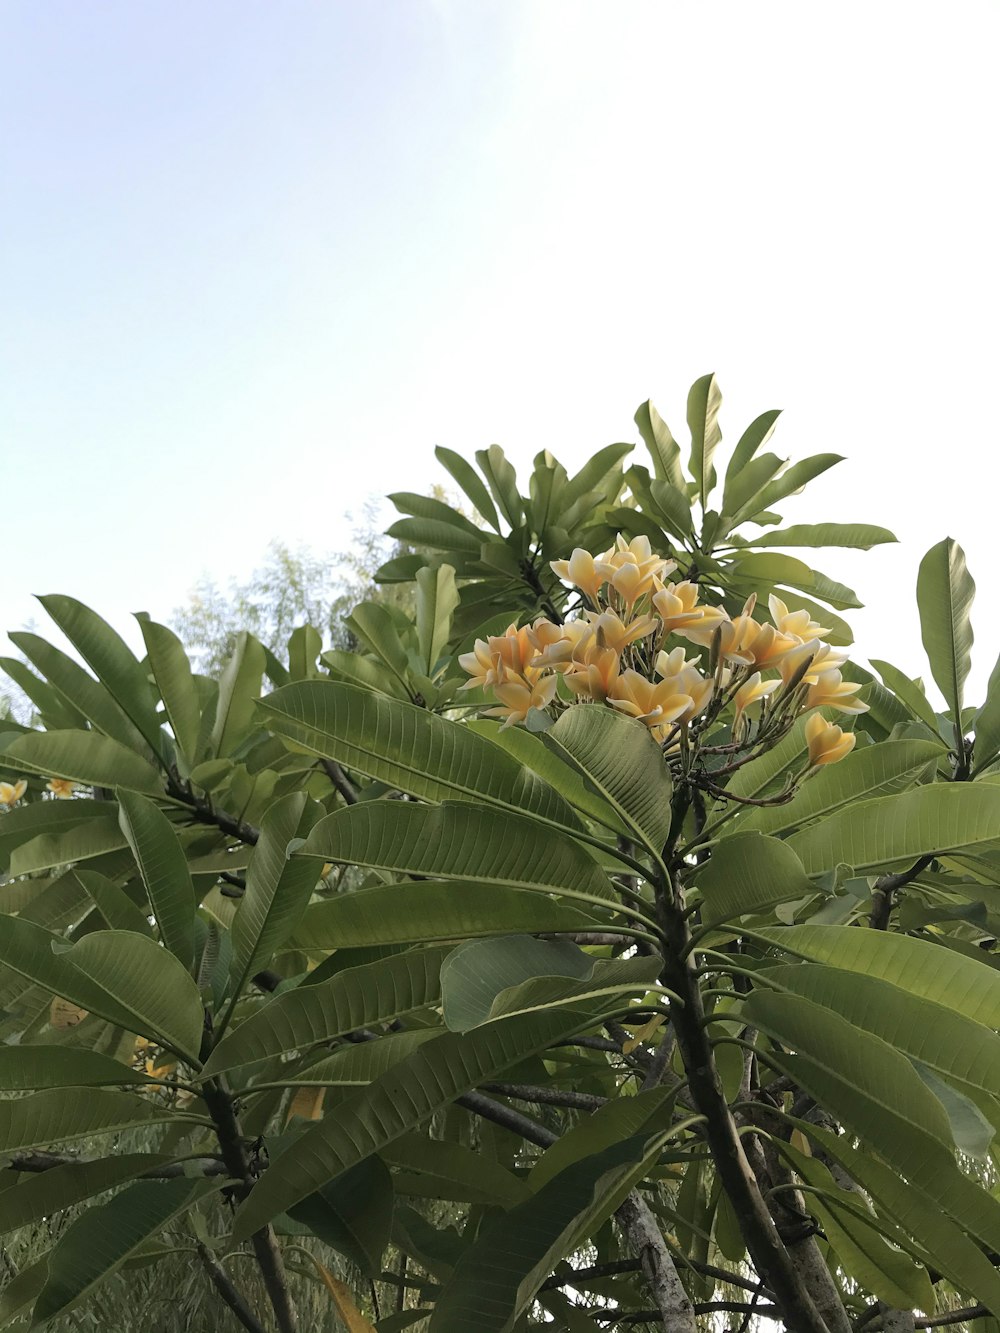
256 260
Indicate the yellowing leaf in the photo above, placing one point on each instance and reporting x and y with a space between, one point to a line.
63 1014
307 1104
643 1034
343 1300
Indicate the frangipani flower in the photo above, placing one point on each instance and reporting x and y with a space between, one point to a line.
677 605
517 698
798 623
11 792
631 568
559 652
832 690
613 632
754 690
593 675
655 704
492 658
827 743
61 788
821 657
580 571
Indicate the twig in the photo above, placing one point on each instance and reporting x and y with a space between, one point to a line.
340 780
35 1162
529 1092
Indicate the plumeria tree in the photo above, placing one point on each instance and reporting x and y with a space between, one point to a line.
599 947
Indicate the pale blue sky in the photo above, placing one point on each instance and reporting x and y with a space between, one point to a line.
257 259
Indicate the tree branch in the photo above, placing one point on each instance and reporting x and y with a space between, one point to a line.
886 888
640 1226
529 1092
35 1162
340 780
223 1284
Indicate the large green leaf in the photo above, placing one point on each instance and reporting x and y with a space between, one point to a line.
704 401
353 1214
88 839
876 1093
895 830
502 481
749 873
945 592
49 1192
277 887
111 660
410 748
54 709
460 841
401 1100
358 1063
618 1119
930 1032
98 1243
929 971
239 689
434 910
489 979
164 871
437 598
622 760
882 1268
175 681
987 745
663 448
59 1115
876 770
860 536
498 1276
797 476
466 476
83 756
909 693
38 818
946 1243
356 998
442 1161
149 986
113 903
24 1068
78 690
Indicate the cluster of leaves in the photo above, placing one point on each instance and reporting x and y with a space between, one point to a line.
573 1038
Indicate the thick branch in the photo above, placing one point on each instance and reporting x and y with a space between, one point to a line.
529 1092
644 1235
46 1161
886 888
223 1284
340 780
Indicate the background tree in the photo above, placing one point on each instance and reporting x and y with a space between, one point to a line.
600 1020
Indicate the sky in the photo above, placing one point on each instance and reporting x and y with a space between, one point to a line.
257 260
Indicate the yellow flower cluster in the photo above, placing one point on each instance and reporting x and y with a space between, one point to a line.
612 653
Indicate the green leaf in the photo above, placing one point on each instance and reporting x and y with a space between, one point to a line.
908 692
663 448
98 1243
353 1214
59 1115
175 681
20 1291
747 874
753 438
923 1029
460 841
945 592
797 476
277 888
164 871
24 1068
374 626
466 476
37 818
55 710
970 1129
111 660
894 830
704 401
411 749
928 971
987 744
618 1119
93 838
498 1276
83 756
356 998
433 910
502 481
744 486
361 1063
434 533
452 1162
620 758
856 536
426 506
49 1192
437 598
239 690
595 475
148 985
113 903
405 1097
476 973
918 1212
877 770
853 1233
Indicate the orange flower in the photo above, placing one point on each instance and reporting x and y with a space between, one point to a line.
677 604
631 568
827 743
594 673
517 698
560 652
655 704
61 788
